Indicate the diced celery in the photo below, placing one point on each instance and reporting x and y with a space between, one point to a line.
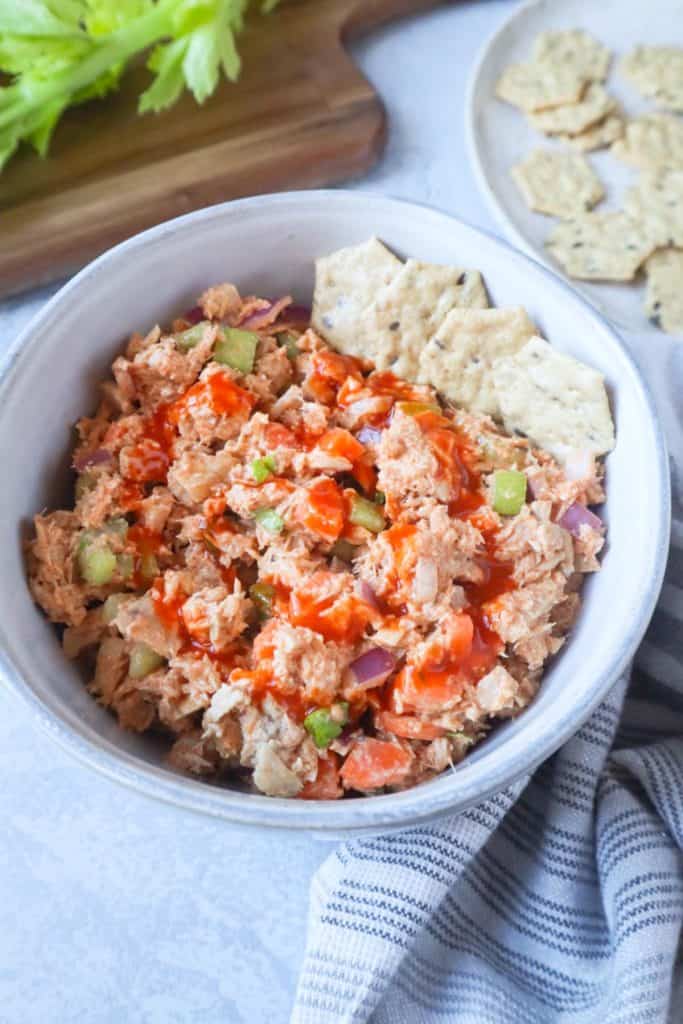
263 595
509 491
269 519
366 513
380 498
263 468
287 340
236 348
97 565
325 724
185 340
143 660
111 607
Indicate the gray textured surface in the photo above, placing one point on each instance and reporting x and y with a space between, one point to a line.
116 909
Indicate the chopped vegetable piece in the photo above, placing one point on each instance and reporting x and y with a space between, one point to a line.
326 509
97 565
236 348
287 340
143 660
111 607
325 724
263 595
366 513
190 338
509 491
263 468
415 408
408 727
269 519
117 526
380 498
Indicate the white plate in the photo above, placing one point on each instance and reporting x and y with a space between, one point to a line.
499 136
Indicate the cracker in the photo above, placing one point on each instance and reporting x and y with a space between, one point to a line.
598 135
394 329
575 49
657 73
557 182
459 358
540 85
656 202
664 292
346 283
573 118
601 246
653 141
558 402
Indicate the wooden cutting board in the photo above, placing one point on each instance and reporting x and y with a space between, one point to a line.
302 115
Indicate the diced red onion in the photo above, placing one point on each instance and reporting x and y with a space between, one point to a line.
369 435
373 667
298 314
96 457
267 315
576 516
367 594
194 315
257 319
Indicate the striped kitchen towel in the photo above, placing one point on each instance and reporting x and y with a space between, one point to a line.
558 901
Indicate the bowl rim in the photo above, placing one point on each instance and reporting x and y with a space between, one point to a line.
369 814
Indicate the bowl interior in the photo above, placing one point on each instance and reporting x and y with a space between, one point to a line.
267 245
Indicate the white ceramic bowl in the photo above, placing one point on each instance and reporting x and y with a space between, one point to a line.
267 245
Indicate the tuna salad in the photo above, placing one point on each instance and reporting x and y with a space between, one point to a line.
308 573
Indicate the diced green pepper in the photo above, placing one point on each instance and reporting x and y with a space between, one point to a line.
415 408
263 468
185 340
509 491
343 549
97 565
263 595
325 724
269 519
111 607
143 660
287 340
366 513
236 348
